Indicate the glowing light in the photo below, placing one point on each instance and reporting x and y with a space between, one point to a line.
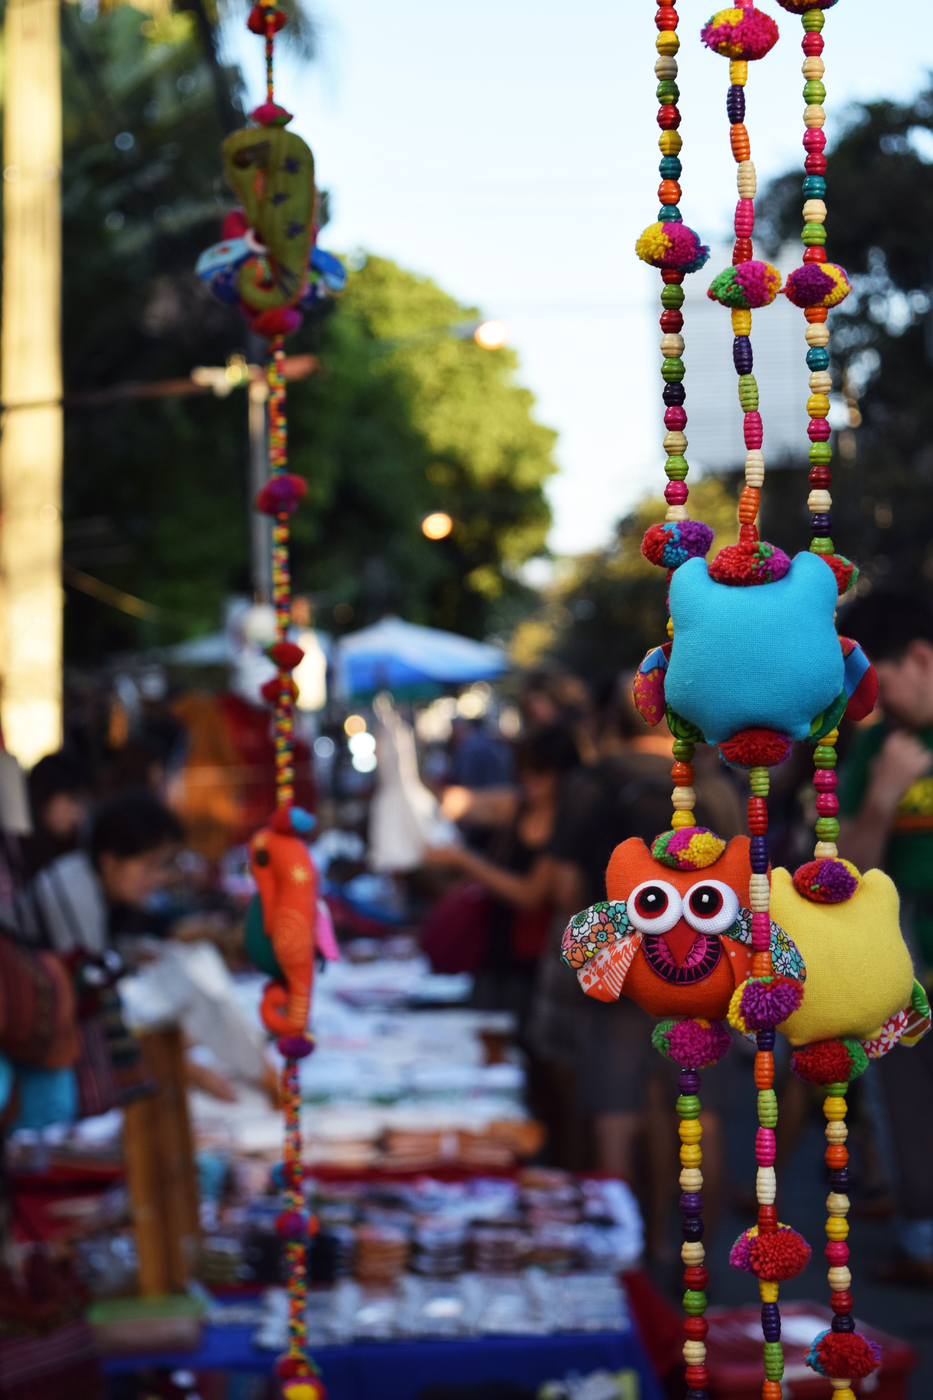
437 525
491 335
362 745
354 724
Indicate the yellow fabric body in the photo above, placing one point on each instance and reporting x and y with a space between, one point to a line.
858 968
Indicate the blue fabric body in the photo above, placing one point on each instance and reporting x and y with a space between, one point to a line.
46 1096
765 656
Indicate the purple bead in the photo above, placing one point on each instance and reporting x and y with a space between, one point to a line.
688 1081
821 524
840 1179
735 104
674 395
742 354
697 1395
758 846
691 1203
691 1227
765 1039
846 1323
759 864
771 1322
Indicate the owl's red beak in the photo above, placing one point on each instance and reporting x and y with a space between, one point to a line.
680 939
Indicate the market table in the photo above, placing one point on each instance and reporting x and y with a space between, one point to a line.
399 1370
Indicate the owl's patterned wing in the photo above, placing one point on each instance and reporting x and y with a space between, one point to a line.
785 955
603 975
596 928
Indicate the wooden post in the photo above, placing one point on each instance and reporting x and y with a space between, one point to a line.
160 1171
31 384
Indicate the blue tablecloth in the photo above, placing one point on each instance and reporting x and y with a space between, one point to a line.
399 1370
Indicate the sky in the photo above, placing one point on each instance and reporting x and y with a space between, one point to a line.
508 149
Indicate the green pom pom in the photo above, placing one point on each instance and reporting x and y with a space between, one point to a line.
857 1058
659 1038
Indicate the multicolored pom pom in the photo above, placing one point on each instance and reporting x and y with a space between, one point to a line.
762 1002
674 542
694 1043
281 494
844 1355
688 848
829 1062
746 286
830 881
799 7
748 563
846 572
756 748
774 1258
672 245
740 32
286 655
817 284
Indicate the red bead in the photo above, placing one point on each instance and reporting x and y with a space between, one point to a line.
742 251
757 816
812 45
697 1377
668 117
676 493
815 163
670 276
827 804
749 532
696 1328
675 418
744 220
753 431
672 321
841 1302
814 139
820 475
818 430
666 19
767 1220
696 1277
837 1252
814 254
824 780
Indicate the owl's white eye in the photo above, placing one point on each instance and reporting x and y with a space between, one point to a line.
711 906
654 906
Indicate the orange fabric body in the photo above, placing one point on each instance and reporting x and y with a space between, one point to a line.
287 883
631 864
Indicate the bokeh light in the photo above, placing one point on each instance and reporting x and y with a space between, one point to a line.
491 335
437 525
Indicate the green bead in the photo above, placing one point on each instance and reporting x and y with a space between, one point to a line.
813 235
774 1361
672 297
759 781
684 750
813 91
812 21
668 92
822 545
694 1303
672 370
688 1106
824 756
836 1091
767 1108
820 452
748 392
676 468
827 828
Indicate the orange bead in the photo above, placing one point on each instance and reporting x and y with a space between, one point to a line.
836 1155
669 192
764 1069
748 504
815 313
683 774
761 965
771 1390
738 137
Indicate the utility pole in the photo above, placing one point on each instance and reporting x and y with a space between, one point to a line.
31 384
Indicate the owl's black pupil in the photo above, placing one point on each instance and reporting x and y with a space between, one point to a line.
651 901
706 901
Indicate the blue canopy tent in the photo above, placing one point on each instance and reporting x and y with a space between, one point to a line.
396 655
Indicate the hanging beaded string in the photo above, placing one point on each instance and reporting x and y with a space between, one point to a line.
281 578
692 1251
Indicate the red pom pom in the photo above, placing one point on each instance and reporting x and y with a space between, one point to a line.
844 1354
823 1062
285 655
272 689
780 1256
287 1367
845 571
756 748
281 494
281 320
256 23
270 114
748 563
234 225
290 1225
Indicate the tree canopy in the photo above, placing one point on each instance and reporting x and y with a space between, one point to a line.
402 418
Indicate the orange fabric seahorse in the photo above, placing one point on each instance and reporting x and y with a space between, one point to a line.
287 883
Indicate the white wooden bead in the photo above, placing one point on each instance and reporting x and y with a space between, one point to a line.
813 67
672 346
814 116
666 67
677 513
766 1186
817 333
759 893
814 211
837 1204
819 502
694 1353
674 443
836 1132
755 468
692 1253
825 850
839 1384
684 799
691 1179
839 1279
746 179
821 381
